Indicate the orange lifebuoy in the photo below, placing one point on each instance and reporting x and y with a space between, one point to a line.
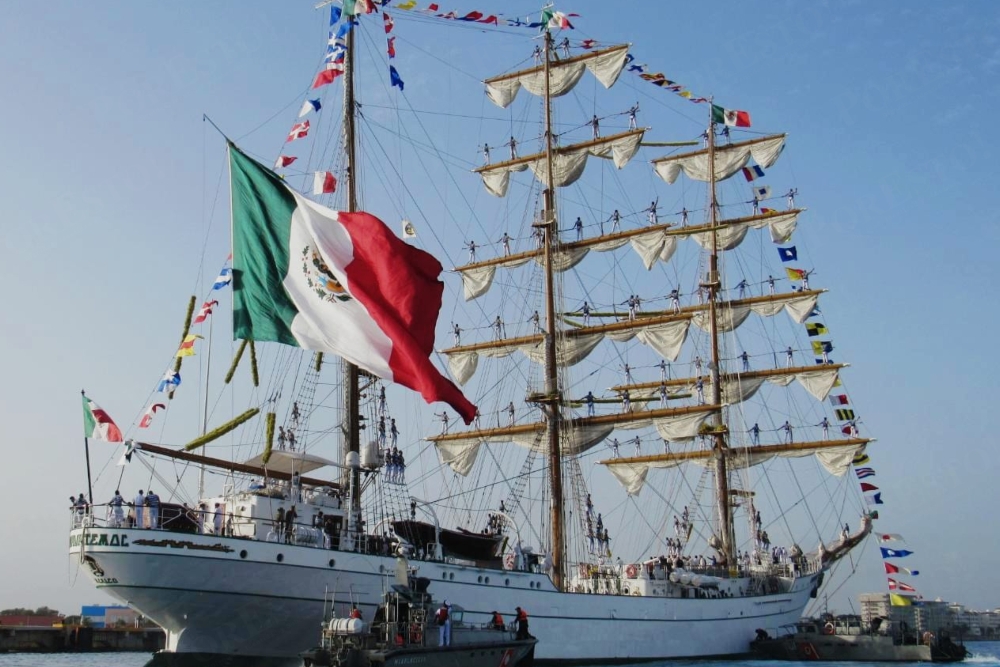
828 629
631 571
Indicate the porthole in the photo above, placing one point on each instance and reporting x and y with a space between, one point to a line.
487 580
381 569
451 576
281 557
479 578
243 553
332 562
444 575
506 582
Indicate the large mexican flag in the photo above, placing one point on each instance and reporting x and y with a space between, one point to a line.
330 281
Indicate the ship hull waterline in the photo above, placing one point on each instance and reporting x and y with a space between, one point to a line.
230 598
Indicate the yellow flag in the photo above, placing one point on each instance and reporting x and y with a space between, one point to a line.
409 4
187 347
685 93
899 600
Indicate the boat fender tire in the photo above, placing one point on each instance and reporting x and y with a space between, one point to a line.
631 571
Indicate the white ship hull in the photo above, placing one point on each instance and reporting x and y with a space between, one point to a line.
232 597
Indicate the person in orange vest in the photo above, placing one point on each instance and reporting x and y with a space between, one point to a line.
522 624
497 621
355 612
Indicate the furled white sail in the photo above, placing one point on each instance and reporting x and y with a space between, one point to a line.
729 159
666 338
568 163
731 315
658 244
605 65
833 456
460 453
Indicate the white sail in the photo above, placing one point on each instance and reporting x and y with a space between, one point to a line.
728 159
568 163
605 65
834 456
459 451
655 244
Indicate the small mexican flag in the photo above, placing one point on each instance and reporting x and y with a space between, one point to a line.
731 117
332 281
97 424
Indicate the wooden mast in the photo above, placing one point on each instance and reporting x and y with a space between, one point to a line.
352 394
713 285
552 394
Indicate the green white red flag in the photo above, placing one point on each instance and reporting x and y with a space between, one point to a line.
730 117
97 425
332 281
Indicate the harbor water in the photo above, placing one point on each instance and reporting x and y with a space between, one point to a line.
982 654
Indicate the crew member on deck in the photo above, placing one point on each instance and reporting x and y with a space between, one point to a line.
140 508
522 624
443 618
117 513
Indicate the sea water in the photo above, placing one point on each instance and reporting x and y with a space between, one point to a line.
983 654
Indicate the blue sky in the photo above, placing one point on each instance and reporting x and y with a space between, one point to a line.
112 196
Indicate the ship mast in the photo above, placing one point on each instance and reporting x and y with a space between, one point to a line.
713 285
552 394
352 394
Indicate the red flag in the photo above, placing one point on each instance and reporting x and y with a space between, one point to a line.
866 487
205 311
324 182
391 46
284 161
890 568
298 131
326 76
839 399
900 586
491 19
388 22
147 418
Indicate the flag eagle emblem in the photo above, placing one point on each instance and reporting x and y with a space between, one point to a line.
320 278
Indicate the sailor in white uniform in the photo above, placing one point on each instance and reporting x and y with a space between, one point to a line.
140 509
117 513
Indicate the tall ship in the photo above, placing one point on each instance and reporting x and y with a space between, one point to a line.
645 446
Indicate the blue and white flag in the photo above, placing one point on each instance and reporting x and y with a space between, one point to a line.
894 553
874 499
171 380
335 12
788 254
225 277
310 105
761 193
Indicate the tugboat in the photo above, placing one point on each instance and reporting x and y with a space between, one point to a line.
407 629
840 640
